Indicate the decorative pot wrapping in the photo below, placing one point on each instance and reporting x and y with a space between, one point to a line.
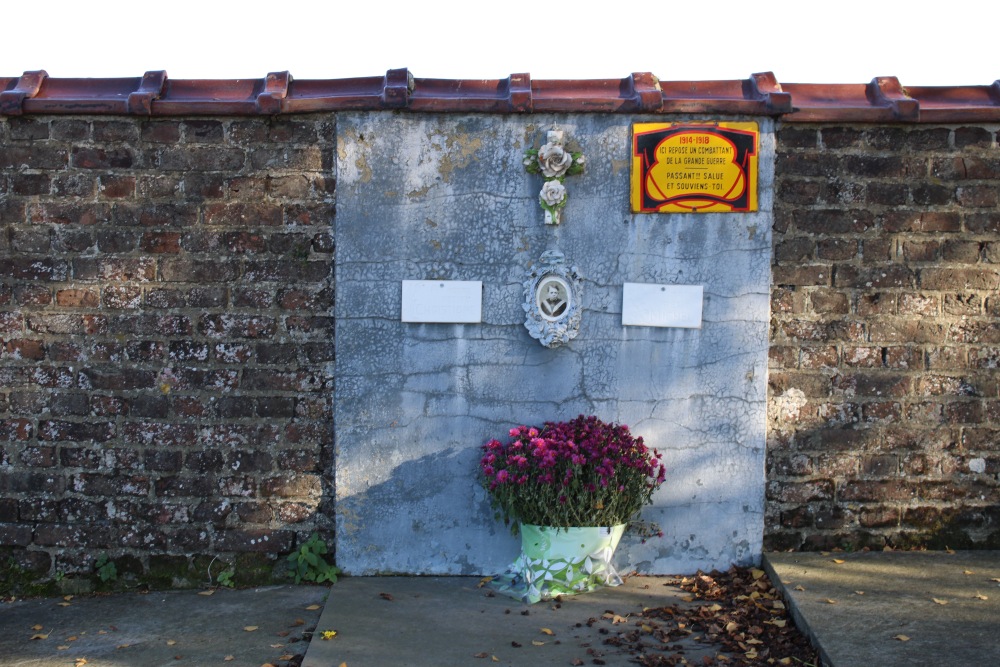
561 561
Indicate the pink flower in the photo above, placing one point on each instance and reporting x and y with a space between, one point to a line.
502 476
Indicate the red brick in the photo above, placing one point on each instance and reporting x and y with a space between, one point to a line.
800 492
101 158
792 136
18 349
244 214
201 158
877 491
161 242
16 430
921 221
25 268
237 326
117 186
959 279
802 275
265 540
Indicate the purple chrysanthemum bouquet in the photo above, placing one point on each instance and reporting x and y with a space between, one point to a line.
584 472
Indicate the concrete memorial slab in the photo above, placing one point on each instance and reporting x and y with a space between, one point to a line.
446 198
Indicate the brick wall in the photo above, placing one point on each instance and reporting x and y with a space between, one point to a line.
166 340
883 397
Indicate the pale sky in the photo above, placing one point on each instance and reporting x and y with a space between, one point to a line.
851 41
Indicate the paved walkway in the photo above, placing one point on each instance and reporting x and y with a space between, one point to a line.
857 607
897 608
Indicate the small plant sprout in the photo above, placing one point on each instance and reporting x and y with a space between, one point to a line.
307 562
106 568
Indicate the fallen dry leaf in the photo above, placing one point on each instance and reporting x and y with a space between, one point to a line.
277 646
211 592
64 604
36 627
287 656
483 654
756 574
171 642
283 633
297 622
120 646
996 579
980 596
839 561
228 658
967 572
494 658
829 601
39 635
546 631
250 628
313 607
483 582
80 662
72 639
535 642
800 587
902 638
62 648
859 592
576 662
937 601
386 596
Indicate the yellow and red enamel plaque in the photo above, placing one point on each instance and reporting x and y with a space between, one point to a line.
694 167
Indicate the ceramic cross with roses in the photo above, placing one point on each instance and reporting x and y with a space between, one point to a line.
555 163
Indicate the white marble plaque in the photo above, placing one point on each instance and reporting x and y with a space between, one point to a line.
646 305
443 301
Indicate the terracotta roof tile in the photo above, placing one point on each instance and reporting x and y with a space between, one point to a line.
882 100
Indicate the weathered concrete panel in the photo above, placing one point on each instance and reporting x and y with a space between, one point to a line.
446 197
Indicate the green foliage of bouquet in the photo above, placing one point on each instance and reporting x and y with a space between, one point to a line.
584 472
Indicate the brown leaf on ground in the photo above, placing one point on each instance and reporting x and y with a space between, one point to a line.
901 638
313 607
386 596
740 618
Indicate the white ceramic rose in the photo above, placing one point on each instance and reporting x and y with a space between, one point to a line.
554 160
553 193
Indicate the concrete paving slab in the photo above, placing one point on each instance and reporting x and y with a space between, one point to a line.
176 628
946 605
437 621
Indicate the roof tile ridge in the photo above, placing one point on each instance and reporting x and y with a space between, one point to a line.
152 88
30 83
886 91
